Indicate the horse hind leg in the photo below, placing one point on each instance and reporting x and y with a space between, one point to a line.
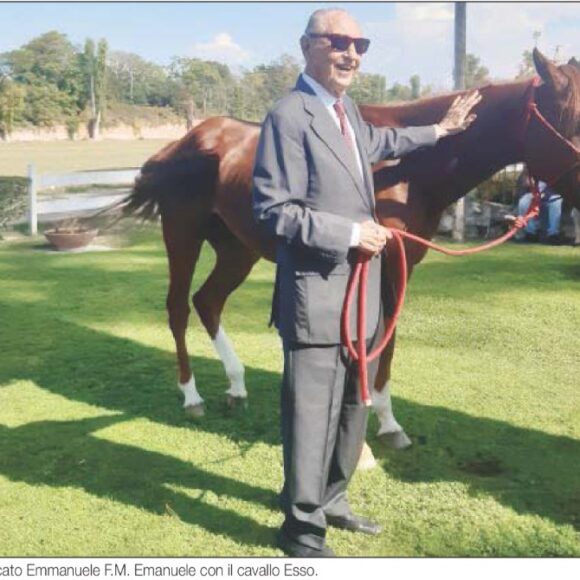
234 261
183 245
390 432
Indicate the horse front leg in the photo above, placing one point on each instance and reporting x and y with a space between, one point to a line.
389 429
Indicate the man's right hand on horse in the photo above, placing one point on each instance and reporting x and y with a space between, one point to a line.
373 237
459 116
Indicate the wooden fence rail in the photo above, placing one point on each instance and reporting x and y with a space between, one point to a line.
41 182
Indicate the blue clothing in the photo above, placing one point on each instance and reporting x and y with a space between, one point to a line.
550 216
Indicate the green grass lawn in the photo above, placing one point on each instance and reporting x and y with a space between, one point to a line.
97 457
64 156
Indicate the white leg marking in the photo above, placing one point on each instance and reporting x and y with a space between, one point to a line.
191 396
232 365
384 410
367 459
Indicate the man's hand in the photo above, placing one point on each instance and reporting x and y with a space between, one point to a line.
373 237
458 117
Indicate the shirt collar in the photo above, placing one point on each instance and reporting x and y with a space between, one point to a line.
327 98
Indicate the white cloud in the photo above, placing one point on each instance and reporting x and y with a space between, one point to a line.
419 39
426 11
221 48
499 34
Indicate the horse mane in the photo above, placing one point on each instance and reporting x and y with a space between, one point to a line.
569 121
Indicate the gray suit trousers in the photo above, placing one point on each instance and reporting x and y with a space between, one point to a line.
323 430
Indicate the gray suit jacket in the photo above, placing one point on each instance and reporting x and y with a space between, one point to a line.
307 193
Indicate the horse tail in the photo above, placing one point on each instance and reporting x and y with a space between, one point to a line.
175 176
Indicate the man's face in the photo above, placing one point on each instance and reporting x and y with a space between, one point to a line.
333 69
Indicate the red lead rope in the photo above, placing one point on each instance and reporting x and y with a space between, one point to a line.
359 277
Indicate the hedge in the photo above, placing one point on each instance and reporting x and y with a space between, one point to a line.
13 199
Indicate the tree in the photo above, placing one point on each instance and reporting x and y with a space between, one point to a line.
47 68
368 89
280 76
476 74
94 63
46 106
132 79
526 67
415 82
208 83
265 84
51 58
399 92
11 106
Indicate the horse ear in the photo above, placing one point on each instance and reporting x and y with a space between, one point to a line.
574 62
549 72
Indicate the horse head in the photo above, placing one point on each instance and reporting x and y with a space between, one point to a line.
557 127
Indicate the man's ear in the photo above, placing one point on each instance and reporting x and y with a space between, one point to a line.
304 44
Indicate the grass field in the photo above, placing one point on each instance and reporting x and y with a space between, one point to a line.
97 458
63 156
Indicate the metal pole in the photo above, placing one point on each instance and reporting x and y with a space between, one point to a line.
32 211
459 85
460 45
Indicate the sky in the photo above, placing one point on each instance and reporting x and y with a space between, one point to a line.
406 37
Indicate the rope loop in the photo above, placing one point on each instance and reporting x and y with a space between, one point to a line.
359 277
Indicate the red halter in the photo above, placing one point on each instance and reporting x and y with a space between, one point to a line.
548 154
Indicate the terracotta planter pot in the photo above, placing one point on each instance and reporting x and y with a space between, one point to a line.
70 240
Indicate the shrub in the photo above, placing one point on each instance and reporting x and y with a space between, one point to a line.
13 199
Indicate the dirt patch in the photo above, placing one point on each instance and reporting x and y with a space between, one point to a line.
483 466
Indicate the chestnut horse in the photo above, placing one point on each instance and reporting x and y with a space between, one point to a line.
200 186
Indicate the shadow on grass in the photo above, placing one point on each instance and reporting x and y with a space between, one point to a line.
64 454
530 471
119 374
572 271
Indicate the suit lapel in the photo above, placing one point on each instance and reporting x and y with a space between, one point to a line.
366 166
326 129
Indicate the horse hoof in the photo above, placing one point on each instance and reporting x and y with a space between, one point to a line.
366 460
195 411
396 440
237 402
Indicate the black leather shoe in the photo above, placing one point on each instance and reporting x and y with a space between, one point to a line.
296 550
354 524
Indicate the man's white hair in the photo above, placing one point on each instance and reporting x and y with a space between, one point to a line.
315 22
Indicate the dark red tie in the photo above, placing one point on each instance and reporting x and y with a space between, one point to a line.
339 108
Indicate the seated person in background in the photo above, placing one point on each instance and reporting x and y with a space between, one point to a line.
545 227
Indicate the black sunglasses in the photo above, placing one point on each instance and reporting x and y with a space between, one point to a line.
342 42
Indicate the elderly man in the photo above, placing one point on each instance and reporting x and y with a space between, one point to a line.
313 192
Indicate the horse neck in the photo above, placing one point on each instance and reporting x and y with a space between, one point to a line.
458 163
496 98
